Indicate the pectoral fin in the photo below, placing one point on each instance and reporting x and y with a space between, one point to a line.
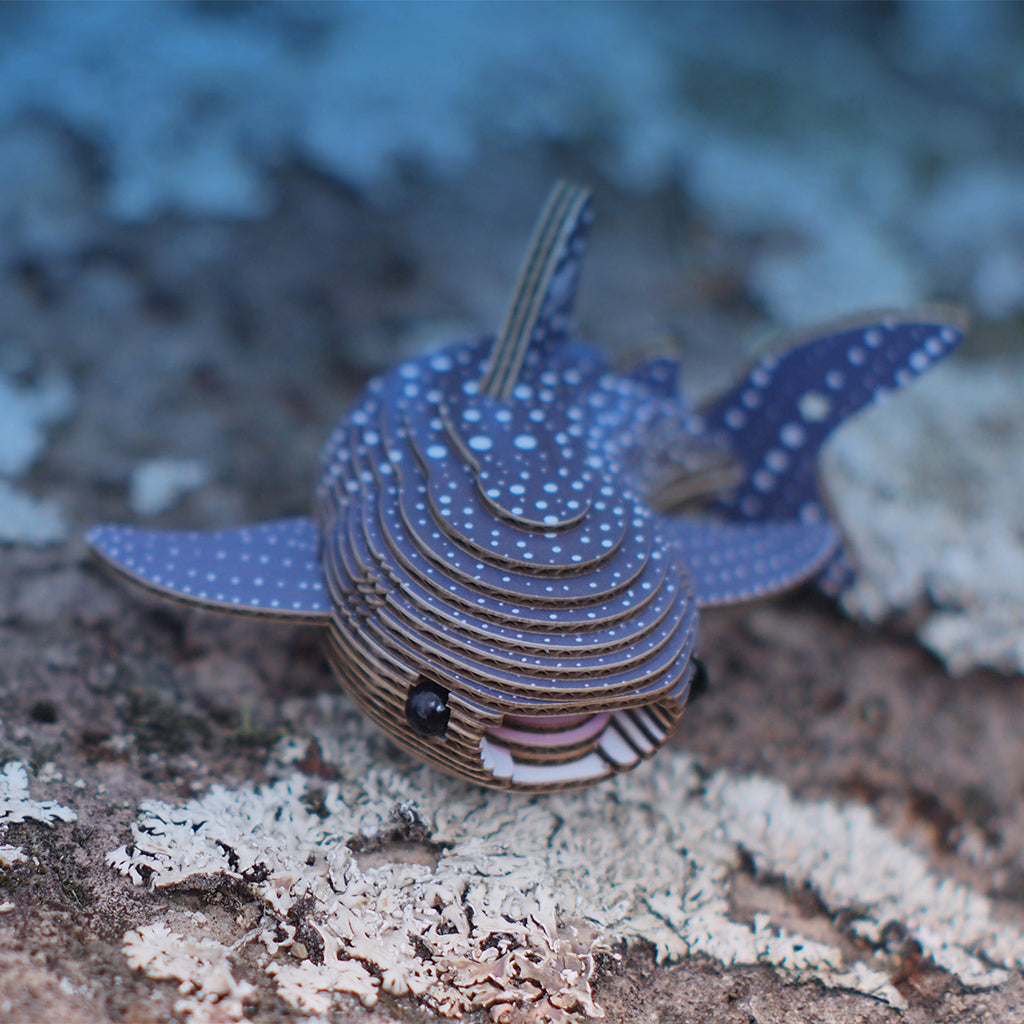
271 569
733 562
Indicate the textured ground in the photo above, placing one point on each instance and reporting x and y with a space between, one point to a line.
239 345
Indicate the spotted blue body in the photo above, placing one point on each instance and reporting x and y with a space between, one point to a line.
506 588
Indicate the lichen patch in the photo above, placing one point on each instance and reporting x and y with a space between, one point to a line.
16 803
930 496
210 992
526 890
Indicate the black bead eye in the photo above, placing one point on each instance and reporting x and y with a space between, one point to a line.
427 708
698 681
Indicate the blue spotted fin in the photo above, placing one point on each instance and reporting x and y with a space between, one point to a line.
777 418
272 569
544 293
732 562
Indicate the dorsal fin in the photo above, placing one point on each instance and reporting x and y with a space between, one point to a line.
546 286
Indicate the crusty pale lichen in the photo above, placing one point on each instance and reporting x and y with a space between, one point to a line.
210 991
395 878
17 804
930 495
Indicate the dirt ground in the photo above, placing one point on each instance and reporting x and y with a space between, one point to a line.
241 344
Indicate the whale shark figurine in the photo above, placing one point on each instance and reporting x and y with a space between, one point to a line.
496 554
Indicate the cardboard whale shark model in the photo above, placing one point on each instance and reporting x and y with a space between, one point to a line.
493 556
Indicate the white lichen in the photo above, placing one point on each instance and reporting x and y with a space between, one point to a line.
27 520
25 413
157 485
210 992
312 987
11 856
16 804
394 877
930 494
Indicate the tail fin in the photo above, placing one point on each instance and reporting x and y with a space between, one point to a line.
778 417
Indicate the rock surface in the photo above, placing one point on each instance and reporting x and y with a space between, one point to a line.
236 330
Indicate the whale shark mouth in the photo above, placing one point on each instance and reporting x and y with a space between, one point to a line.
555 751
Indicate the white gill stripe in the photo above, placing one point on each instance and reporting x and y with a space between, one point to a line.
649 725
614 747
624 722
593 766
496 759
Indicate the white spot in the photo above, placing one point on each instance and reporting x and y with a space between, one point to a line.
814 406
480 443
735 418
792 435
918 361
525 442
437 451
811 512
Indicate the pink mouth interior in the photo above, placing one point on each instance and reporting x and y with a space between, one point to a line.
560 731
583 748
